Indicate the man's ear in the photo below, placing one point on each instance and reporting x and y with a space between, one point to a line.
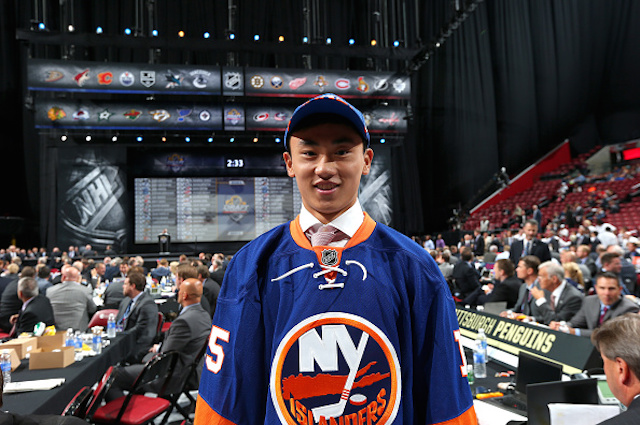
289 163
623 374
368 158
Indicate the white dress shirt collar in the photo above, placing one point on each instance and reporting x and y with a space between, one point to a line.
348 222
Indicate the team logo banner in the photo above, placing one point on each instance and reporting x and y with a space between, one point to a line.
57 75
126 116
307 83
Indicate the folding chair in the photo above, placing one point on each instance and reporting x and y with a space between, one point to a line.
98 394
101 317
183 385
78 404
135 408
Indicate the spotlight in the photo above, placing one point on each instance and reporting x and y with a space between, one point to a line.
210 140
127 31
154 33
352 41
256 37
255 140
41 26
187 139
328 40
181 34
71 28
232 36
231 140
88 138
278 140
396 43
63 138
164 138
206 35
139 138
281 38
114 139
305 39
373 42
383 140
99 30
438 44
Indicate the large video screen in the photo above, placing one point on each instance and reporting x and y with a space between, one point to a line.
211 209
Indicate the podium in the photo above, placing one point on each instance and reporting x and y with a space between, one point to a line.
164 241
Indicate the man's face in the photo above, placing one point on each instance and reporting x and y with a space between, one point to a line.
124 268
101 269
530 231
608 290
127 288
521 270
497 272
327 161
615 265
546 282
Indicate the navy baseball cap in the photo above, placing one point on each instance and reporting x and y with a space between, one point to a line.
328 103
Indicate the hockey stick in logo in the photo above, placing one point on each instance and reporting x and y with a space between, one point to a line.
336 409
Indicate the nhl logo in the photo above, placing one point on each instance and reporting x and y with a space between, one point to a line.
329 257
232 80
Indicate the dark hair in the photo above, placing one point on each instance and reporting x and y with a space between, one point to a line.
44 272
318 119
203 271
608 257
606 275
506 266
466 254
137 279
531 262
187 271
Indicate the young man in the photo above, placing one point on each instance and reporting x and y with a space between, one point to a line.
333 318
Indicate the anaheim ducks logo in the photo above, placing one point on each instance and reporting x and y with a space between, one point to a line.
335 369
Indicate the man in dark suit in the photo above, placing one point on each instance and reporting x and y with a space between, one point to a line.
565 300
464 274
530 245
507 285
35 308
527 271
478 243
138 313
617 341
9 303
537 216
597 309
187 335
210 287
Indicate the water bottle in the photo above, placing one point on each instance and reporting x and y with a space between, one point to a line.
163 282
483 339
69 340
97 339
5 365
479 361
111 326
78 341
470 376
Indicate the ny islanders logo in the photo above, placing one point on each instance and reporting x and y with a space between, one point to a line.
335 369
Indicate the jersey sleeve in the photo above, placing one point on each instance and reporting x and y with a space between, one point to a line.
233 387
441 393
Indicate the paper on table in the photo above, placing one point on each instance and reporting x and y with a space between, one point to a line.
585 414
488 414
24 386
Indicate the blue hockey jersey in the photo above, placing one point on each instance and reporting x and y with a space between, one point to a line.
324 335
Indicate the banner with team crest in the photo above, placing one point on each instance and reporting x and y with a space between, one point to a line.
111 77
307 83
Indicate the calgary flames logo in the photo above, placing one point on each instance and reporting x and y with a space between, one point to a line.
335 369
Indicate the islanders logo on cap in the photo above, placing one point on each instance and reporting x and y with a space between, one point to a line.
335 368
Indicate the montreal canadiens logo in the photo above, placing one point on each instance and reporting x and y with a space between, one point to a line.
335 368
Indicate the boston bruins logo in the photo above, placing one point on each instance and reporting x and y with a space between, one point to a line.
329 257
335 368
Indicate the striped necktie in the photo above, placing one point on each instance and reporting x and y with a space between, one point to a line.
324 235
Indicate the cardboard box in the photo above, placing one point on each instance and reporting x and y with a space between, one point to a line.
51 341
51 358
23 346
15 360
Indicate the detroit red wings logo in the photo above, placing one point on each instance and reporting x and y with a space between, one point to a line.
335 369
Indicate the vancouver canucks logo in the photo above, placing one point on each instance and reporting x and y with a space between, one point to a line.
335 368
329 257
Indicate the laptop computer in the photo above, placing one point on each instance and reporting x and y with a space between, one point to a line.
495 307
579 391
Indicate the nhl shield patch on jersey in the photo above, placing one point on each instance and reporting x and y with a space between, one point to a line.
335 368
329 257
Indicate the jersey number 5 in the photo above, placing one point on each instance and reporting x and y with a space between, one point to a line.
216 349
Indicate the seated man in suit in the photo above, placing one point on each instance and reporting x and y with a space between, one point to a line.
565 300
187 335
35 308
210 288
527 271
506 287
138 313
617 341
465 275
72 302
530 245
597 309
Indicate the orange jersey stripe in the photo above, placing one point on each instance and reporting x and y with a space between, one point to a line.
205 415
467 418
